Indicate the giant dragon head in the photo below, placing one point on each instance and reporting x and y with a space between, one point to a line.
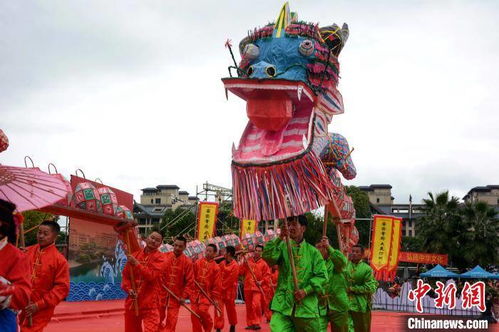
288 77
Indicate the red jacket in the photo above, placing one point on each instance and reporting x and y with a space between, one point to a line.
229 275
207 275
177 275
50 276
146 276
261 271
15 268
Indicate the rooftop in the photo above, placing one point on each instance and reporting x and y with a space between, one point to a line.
483 189
168 186
375 186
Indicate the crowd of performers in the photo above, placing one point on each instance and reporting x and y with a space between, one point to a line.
332 290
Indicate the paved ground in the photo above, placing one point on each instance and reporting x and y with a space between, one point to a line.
107 316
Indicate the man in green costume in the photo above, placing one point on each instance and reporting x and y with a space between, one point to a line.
336 303
296 310
361 287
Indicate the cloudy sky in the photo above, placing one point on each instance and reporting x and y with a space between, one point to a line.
130 91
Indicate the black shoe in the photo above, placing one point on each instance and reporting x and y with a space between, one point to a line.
232 328
251 327
256 327
218 330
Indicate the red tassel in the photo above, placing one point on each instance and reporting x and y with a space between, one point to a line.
261 192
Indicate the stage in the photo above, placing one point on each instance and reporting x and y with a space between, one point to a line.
107 316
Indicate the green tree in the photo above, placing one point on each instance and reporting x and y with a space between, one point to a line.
479 242
467 233
412 243
180 221
437 227
227 223
313 234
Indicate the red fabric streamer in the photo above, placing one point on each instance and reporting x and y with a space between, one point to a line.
262 192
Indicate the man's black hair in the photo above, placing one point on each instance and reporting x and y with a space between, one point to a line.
213 246
156 230
302 220
259 246
231 250
181 238
53 225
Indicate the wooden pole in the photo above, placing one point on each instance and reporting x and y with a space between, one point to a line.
291 256
208 297
338 233
288 245
254 276
132 277
178 299
326 219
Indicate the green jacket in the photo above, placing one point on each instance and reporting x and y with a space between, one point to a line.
324 296
311 273
337 290
361 286
336 287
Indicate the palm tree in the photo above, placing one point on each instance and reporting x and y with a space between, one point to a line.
481 239
437 227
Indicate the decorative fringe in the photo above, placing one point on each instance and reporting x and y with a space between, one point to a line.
262 192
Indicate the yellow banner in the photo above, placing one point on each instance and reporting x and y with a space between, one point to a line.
207 219
395 244
381 241
247 227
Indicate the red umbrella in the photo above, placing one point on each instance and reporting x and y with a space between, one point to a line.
31 188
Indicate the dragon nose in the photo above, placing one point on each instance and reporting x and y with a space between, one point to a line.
262 69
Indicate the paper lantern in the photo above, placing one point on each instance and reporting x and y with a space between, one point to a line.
87 197
166 247
108 200
4 141
258 238
123 212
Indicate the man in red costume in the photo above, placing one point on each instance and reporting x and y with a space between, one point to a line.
256 274
229 270
207 281
49 277
140 281
15 282
176 274
269 289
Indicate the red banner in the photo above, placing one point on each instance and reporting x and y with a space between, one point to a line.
423 258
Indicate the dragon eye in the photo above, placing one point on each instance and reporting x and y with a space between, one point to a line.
306 47
250 71
251 52
270 71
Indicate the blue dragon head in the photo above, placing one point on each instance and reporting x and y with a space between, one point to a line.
288 76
